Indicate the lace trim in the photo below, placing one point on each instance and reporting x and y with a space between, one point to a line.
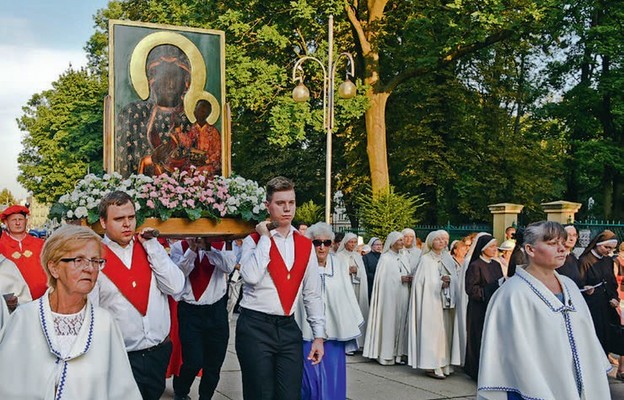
68 324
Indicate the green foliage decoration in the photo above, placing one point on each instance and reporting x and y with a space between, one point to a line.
386 211
309 213
6 197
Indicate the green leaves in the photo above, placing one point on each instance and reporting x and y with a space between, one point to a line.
309 213
6 197
387 211
490 100
63 138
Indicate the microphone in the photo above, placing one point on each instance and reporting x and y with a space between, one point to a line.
147 235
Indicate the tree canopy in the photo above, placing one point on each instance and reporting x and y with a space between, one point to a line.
6 197
463 103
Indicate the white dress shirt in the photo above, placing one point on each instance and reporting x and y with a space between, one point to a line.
223 261
141 332
259 292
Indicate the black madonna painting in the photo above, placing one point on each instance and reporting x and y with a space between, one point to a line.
166 101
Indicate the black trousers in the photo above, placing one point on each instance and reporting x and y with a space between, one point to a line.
204 334
269 349
149 368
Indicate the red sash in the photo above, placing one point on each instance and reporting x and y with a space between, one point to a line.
134 283
28 262
202 273
286 282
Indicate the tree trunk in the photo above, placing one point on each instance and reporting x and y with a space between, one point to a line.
376 141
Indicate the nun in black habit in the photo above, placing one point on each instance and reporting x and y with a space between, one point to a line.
598 278
570 267
483 276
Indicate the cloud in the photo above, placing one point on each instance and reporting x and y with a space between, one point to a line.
16 30
25 71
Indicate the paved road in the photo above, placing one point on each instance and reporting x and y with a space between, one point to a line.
367 380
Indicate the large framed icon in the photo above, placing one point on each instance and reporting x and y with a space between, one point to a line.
166 106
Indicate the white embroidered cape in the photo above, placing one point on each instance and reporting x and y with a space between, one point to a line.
97 366
538 347
342 313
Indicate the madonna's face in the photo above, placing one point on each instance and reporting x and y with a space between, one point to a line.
169 83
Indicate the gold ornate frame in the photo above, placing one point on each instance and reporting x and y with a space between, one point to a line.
155 35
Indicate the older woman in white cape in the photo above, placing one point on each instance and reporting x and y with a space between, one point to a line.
343 320
61 346
356 273
433 337
386 333
538 339
411 251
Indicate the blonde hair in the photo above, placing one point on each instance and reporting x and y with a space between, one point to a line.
64 239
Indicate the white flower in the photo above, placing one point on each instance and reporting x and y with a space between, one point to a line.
81 212
70 214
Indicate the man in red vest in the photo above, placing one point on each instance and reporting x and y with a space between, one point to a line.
277 267
202 315
134 286
23 249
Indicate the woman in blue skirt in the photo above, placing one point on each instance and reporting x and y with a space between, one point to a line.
343 318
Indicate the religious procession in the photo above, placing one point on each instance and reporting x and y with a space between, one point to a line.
161 272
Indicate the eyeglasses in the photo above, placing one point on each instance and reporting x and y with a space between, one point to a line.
82 263
318 243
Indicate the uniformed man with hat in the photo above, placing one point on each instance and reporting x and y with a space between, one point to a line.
23 249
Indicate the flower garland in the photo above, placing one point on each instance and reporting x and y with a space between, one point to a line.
188 194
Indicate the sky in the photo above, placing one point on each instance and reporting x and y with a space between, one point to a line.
39 39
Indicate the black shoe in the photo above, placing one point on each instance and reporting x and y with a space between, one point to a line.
176 397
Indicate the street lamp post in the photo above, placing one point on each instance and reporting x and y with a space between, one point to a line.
346 90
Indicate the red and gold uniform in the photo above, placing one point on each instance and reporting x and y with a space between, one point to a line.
25 254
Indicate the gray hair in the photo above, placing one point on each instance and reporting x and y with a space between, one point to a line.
318 229
544 231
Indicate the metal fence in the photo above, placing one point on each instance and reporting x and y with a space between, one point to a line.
455 231
589 228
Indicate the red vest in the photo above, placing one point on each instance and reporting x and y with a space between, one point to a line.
134 283
28 261
286 282
202 273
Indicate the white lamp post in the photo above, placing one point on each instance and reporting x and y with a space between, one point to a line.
346 90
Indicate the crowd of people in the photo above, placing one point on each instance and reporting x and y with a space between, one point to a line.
112 318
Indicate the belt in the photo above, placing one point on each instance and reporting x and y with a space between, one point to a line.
264 316
166 341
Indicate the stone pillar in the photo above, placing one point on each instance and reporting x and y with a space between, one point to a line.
505 214
561 211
